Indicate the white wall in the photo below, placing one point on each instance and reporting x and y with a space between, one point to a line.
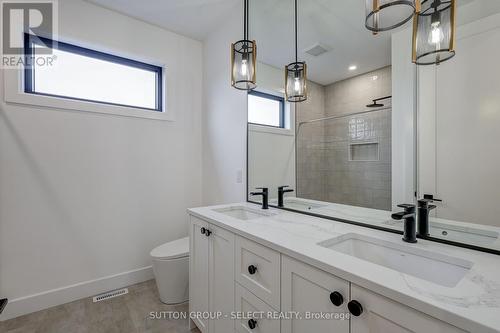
403 114
224 117
460 126
271 161
84 197
270 79
271 151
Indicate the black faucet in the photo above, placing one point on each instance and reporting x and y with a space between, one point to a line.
424 209
410 227
281 193
265 196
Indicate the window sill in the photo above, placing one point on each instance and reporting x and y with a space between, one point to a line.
271 130
14 94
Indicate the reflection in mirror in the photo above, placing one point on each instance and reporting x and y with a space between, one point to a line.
348 152
335 149
271 135
344 151
459 132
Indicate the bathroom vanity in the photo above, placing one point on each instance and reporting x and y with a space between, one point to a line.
255 270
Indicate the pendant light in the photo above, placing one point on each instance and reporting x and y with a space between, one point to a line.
434 32
384 15
243 58
296 74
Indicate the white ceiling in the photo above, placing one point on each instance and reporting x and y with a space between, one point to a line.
337 25
191 18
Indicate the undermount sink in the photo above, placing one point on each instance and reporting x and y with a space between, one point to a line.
430 266
243 213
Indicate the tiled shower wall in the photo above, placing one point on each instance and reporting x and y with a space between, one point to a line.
326 170
310 156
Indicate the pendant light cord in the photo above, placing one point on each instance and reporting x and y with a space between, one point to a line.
296 38
245 20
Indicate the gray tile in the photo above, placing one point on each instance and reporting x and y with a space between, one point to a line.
323 169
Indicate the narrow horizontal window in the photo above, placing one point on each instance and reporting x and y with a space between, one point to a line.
266 110
87 75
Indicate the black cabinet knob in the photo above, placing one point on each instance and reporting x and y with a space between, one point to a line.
336 298
252 269
252 323
208 232
355 308
203 231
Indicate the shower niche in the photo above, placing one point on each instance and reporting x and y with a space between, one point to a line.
364 152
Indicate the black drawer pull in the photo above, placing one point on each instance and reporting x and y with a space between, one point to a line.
355 308
336 298
252 269
252 323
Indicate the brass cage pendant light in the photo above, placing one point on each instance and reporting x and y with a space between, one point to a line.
384 15
244 59
296 74
434 32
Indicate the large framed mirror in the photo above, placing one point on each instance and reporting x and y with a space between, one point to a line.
371 134
335 149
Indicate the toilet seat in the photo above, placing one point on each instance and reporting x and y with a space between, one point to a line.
172 250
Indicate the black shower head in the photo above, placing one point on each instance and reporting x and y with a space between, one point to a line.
375 105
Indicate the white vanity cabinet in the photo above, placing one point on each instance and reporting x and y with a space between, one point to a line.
211 276
306 289
232 274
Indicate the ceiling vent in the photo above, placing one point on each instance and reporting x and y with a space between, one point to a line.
316 50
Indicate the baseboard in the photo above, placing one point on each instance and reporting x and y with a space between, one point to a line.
32 303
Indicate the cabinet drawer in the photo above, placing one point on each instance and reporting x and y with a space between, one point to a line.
384 315
246 302
258 270
307 289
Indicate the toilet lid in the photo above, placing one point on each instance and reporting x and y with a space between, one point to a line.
176 249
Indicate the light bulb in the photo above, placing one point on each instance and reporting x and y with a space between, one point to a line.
436 36
244 67
296 85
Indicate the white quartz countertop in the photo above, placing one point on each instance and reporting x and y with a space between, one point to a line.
473 304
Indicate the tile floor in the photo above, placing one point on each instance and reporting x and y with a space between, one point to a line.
125 314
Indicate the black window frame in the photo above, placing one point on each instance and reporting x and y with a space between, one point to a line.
29 71
274 98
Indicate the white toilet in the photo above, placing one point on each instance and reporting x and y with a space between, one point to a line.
171 269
